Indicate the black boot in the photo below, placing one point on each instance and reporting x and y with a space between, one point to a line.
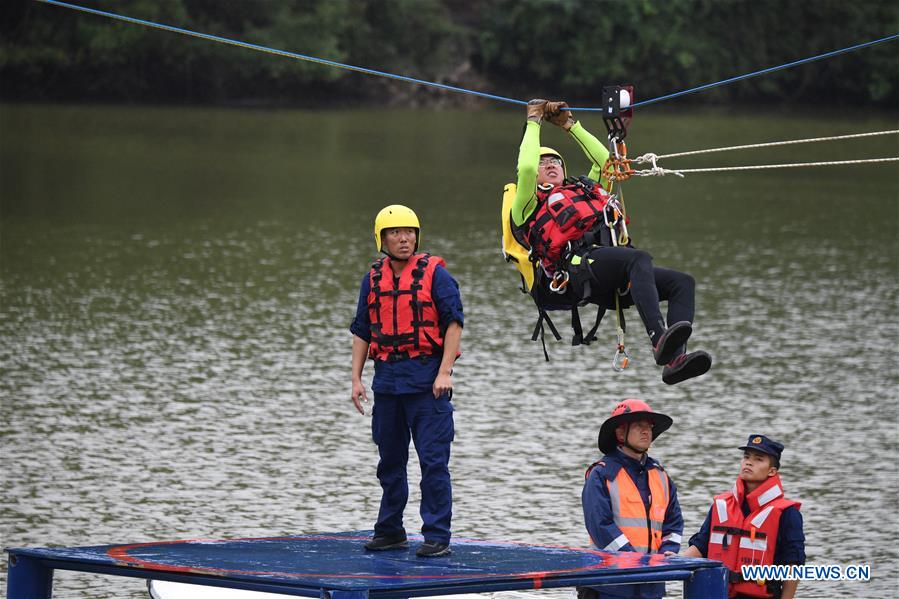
686 366
433 549
671 341
387 542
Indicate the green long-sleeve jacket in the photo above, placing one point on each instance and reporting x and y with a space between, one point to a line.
529 158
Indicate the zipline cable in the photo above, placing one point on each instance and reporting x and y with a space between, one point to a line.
765 71
659 171
648 157
656 170
258 48
366 71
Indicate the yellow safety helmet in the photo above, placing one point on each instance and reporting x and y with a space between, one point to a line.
544 151
396 215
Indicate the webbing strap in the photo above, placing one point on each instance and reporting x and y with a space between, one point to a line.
591 334
539 332
578 337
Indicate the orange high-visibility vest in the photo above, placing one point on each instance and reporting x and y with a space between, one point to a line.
642 527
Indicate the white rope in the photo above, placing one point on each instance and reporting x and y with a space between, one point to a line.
659 171
653 157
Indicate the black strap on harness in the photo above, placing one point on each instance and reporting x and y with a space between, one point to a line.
581 292
539 332
579 337
774 587
737 532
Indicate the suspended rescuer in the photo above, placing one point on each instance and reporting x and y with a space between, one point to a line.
630 503
409 322
754 524
568 225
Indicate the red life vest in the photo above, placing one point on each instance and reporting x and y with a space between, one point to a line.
565 214
739 540
404 319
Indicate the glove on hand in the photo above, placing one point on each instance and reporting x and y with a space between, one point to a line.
536 110
557 113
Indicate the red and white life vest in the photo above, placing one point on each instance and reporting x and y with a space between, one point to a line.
404 319
565 214
739 540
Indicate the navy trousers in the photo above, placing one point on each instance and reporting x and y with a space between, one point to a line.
428 422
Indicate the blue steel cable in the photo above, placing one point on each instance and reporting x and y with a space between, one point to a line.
366 71
764 71
232 42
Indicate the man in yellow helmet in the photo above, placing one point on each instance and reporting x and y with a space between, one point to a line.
577 232
409 322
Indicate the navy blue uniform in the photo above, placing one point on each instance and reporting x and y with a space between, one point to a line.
601 525
404 409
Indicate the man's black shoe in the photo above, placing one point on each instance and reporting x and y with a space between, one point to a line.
686 366
671 340
381 543
433 549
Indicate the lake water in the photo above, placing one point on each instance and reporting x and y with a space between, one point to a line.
177 286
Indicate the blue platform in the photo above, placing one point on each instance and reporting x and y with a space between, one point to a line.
335 566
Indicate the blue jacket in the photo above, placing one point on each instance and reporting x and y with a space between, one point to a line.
599 518
416 375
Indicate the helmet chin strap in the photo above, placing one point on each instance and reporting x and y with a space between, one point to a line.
627 433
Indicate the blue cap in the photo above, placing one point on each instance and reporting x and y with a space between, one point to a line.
763 444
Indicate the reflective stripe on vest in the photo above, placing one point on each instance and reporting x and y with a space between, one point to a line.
672 537
771 494
721 506
617 543
404 319
642 527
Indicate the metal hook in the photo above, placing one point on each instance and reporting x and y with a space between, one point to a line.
559 282
621 359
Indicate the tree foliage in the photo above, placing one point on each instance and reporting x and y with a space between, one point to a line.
515 48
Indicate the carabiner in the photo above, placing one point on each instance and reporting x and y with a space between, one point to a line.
621 359
559 282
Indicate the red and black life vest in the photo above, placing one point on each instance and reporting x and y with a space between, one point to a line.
404 319
565 213
739 540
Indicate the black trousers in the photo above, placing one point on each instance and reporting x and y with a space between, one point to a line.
613 268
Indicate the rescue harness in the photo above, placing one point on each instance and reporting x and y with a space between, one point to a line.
570 221
555 241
